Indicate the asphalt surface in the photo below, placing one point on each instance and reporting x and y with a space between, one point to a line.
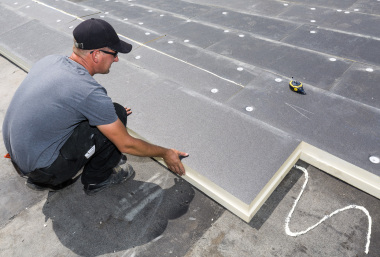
159 214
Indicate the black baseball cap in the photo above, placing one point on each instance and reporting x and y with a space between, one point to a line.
96 33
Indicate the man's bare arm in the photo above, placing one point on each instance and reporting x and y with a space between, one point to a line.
118 135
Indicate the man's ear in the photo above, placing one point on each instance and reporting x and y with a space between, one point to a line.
95 56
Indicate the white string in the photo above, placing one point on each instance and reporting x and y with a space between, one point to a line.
294 234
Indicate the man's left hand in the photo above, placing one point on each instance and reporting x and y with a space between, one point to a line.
128 110
172 160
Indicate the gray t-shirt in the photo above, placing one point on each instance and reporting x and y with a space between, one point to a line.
54 98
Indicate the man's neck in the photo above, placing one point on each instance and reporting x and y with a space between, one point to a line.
82 61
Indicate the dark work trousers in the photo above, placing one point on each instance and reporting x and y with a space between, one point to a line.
87 147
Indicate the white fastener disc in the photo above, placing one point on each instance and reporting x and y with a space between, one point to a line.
374 159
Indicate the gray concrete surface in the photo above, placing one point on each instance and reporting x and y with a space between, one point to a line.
158 214
242 48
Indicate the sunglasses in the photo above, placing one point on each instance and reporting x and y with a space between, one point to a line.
106 52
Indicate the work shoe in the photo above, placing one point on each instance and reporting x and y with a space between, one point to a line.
120 173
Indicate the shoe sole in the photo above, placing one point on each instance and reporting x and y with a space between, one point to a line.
95 191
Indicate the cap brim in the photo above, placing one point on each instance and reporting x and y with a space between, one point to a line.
122 47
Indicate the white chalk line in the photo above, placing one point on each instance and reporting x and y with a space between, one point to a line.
294 234
183 61
142 44
294 107
56 9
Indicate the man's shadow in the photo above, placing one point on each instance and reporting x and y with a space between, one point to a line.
116 219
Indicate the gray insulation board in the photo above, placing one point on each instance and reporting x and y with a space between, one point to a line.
340 19
216 153
361 83
45 41
336 43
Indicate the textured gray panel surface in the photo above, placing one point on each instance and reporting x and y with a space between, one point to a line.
339 19
118 9
133 84
367 6
328 3
12 19
263 26
135 32
309 67
325 120
249 49
239 72
45 41
46 15
225 67
186 9
262 7
199 34
69 7
361 83
161 22
317 70
201 135
339 44
183 74
15 4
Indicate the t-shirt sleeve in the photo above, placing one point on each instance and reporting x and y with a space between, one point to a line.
98 108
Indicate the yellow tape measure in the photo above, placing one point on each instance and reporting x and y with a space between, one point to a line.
296 86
